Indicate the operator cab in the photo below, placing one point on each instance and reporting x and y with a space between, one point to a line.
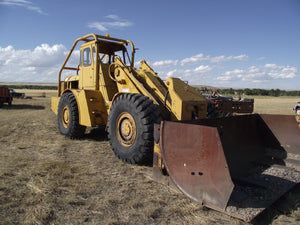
109 50
97 58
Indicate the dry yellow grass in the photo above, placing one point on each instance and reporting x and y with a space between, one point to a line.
46 178
275 105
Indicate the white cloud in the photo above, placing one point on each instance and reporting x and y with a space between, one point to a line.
217 59
189 73
197 58
223 58
112 16
173 73
202 69
253 69
116 22
241 57
272 66
23 3
231 75
281 72
198 75
41 64
98 26
261 58
259 74
165 63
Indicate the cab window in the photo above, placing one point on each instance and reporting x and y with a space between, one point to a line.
87 57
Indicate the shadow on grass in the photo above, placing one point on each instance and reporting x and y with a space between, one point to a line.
23 106
97 134
286 205
100 134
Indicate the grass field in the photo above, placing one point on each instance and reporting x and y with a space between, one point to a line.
46 178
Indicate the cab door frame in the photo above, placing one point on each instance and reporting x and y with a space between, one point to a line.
87 67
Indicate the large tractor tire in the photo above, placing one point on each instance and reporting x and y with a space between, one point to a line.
130 128
68 117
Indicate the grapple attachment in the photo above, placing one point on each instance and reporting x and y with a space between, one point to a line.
237 165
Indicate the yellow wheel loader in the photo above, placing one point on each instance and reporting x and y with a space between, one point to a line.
238 165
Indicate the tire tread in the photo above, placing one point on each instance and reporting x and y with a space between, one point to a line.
146 114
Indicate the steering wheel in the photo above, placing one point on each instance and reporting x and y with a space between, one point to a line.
109 71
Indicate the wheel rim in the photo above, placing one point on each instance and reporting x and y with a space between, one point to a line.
65 116
126 129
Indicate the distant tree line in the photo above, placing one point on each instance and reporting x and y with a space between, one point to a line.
263 92
256 91
225 91
36 87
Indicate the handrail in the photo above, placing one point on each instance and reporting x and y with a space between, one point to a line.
86 39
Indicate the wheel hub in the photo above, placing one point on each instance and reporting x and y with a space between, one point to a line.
65 116
126 129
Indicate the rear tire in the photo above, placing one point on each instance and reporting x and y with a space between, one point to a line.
68 117
298 111
130 128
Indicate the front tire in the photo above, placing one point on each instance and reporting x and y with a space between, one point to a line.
130 128
68 117
298 111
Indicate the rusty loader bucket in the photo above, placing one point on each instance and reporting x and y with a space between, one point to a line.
237 165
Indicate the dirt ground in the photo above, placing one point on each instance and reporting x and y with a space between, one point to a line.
46 178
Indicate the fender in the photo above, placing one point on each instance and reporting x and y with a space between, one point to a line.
91 106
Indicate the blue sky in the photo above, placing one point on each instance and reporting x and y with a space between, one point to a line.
239 44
